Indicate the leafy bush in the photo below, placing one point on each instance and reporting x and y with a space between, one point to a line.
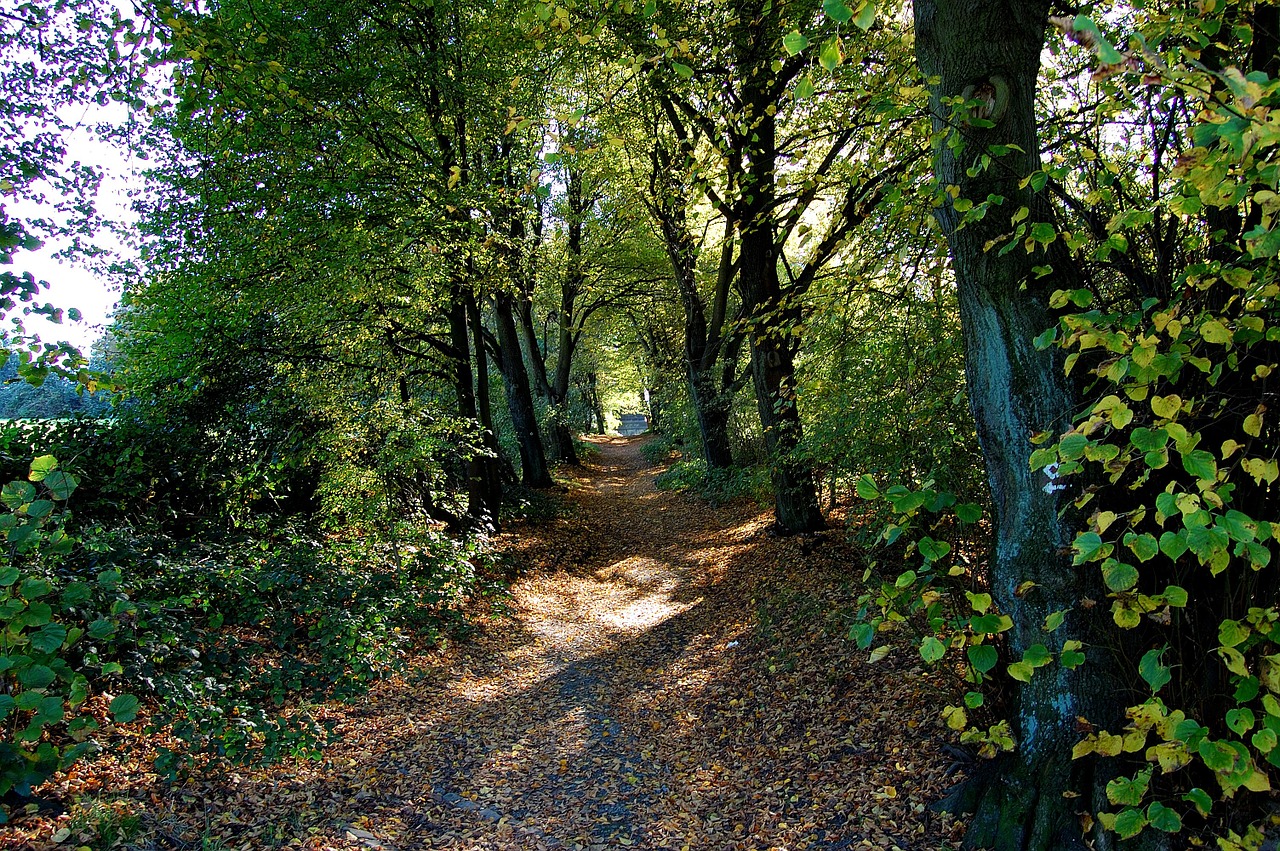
717 486
234 637
659 449
52 625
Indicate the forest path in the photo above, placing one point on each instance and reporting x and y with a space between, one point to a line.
669 677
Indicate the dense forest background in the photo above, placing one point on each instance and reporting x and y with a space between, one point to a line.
993 286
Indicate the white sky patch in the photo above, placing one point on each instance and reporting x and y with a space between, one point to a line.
71 283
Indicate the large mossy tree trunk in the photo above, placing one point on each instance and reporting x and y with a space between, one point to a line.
989 53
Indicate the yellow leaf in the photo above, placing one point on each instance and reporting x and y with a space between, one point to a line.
1253 425
956 717
1214 331
1166 406
880 652
1257 782
1109 745
1170 755
1229 448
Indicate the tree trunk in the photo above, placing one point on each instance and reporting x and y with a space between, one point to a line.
515 383
773 374
773 345
491 463
992 52
670 206
478 498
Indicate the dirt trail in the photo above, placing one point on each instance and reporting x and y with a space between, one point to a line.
670 677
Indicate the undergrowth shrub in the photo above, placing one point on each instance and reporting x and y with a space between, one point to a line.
660 449
717 486
223 640
236 638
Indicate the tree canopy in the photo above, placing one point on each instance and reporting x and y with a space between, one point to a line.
991 289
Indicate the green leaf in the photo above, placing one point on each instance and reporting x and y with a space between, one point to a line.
17 494
1173 545
991 624
1107 54
1148 440
1175 596
866 487
1054 620
61 485
683 71
1037 656
49 638
1072 447
8 575
1201 799
101 629
863 634
1144 546
37 676
805 89
1200 464
1129 790
837 11
1086 546
1021 671
1130 822
794 42
969 512
124 708
1071 659
1218 756
42 467
1164 819
982 657
1118 575
1241 720
1214 331
932 550
829 57
931 649
866 16
1231 633
980 602
1153 671
37 614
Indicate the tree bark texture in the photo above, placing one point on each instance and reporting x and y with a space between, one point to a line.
492 462
702 343
515 384
773 347
478 497
991 52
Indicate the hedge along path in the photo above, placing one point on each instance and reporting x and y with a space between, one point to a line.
669 677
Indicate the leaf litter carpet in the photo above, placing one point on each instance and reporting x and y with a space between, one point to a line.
669 676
